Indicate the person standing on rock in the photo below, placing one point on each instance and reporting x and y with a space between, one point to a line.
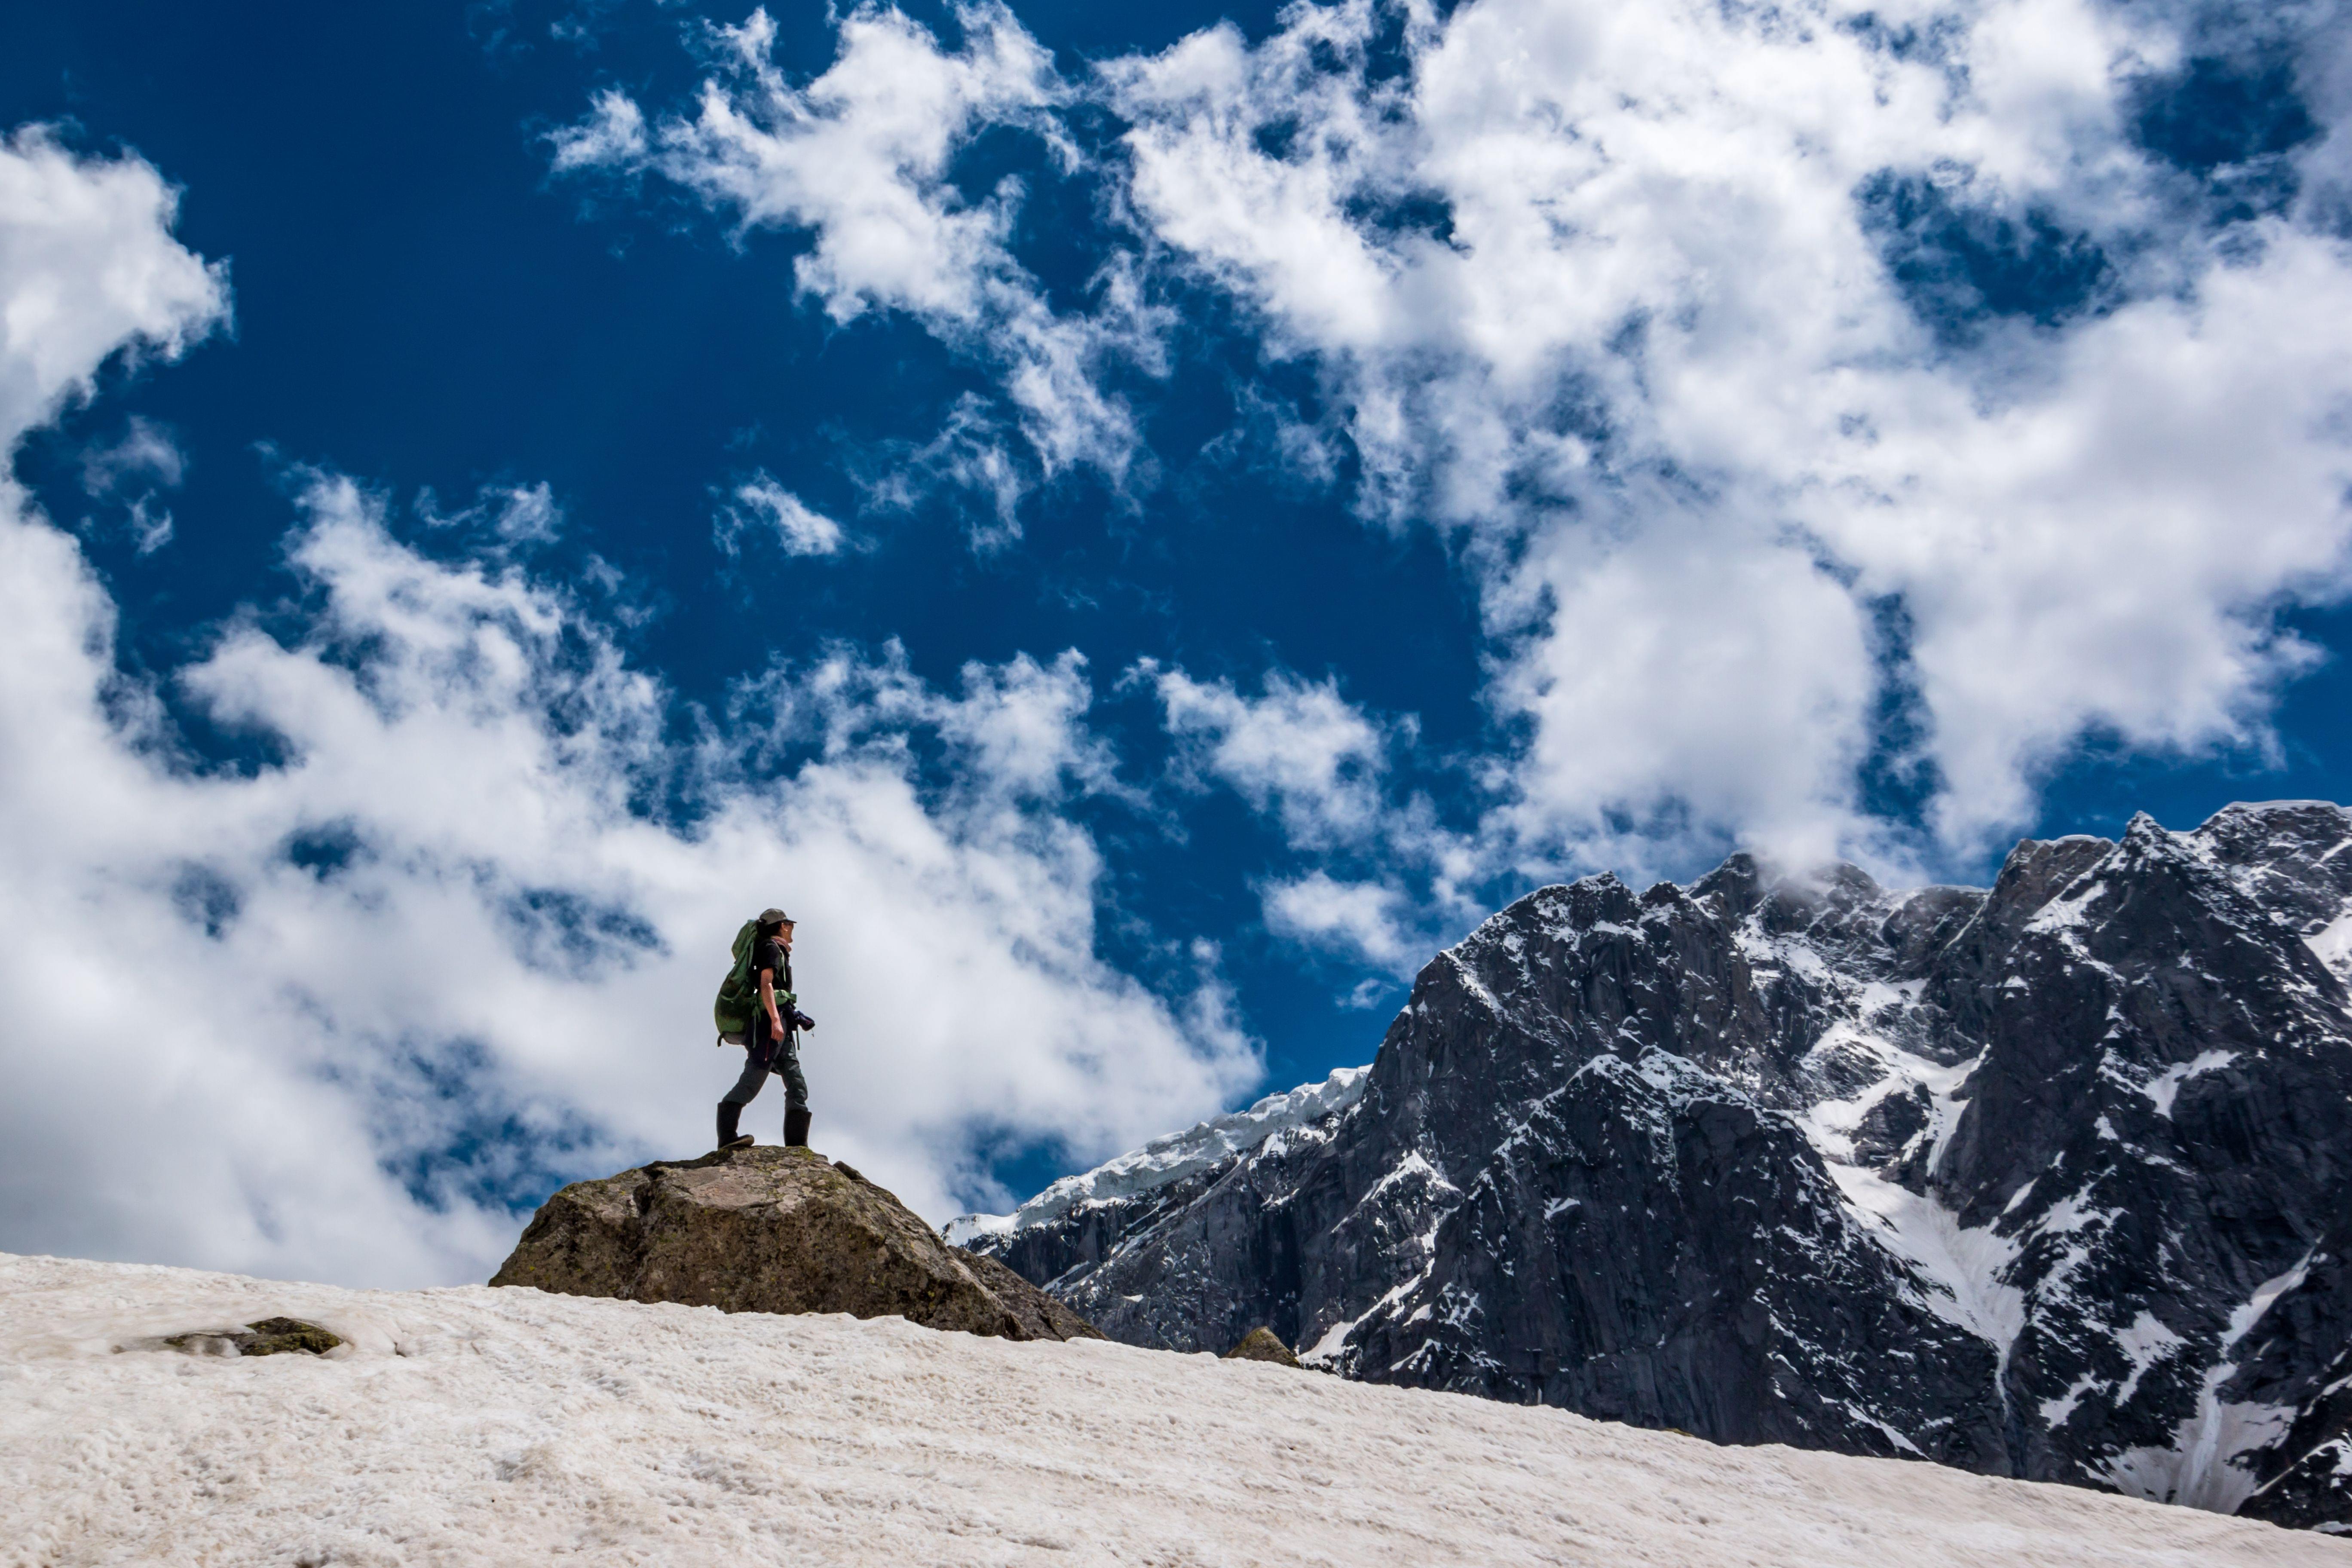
773 1043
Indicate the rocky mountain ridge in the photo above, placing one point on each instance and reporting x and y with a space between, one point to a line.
2050 1179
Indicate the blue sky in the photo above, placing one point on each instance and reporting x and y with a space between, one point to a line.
1138 529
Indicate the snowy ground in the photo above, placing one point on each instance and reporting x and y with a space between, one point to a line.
506 1427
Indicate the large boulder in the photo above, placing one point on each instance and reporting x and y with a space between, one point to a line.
773 1230
1263 1344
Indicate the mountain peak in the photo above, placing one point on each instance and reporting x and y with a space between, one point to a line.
2040 1180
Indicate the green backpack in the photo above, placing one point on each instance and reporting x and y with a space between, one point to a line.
738 993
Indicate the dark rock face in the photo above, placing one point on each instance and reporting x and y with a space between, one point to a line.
2303 1342
2052 1180
773 1230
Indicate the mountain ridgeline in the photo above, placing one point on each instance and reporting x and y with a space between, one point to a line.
2050 1180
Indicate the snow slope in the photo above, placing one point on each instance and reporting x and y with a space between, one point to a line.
498 1427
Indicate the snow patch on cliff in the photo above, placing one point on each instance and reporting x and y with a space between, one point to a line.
1961 1271
2332 943
2165 1086
2201 1468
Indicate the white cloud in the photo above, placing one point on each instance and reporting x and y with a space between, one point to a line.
150 525
860 156
969 454
1684 672
1300 750
320 1014
1019 732
1682 322
1364 921
1610 292
761 502
1015 738
1319 766
527 514
612 134
87 268
145 458
506 514
1720 483
130 472
440 923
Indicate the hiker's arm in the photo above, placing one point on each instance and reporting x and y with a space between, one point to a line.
768 1000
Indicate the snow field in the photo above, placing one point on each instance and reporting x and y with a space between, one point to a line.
475 1426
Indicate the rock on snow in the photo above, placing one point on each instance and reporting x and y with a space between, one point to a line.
495 1426
773 1230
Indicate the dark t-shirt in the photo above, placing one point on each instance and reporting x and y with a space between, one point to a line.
769 953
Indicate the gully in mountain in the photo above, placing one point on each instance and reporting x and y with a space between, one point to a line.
757 1009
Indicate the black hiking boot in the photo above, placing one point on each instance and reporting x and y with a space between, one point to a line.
796 1123
728 1137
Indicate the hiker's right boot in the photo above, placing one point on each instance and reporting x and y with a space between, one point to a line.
796 1123
729 1114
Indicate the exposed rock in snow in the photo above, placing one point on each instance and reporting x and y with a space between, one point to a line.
1261 1344
773 1230
269 1336
2036 1180
491 1428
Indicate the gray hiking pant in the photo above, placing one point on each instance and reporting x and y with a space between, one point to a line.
768 1054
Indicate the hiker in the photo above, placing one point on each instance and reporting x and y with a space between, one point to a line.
772 1038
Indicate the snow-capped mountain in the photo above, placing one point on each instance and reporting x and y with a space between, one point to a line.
1165 1163
2052 1180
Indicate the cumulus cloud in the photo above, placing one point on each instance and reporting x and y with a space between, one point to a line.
331 1013
611 134
87 268
437 954
1299 750
1814 394
760 502
860 158
1366 922
1320 768
1778 368
1015 736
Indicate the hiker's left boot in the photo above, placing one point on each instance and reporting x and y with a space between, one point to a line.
729 1114
796 1126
